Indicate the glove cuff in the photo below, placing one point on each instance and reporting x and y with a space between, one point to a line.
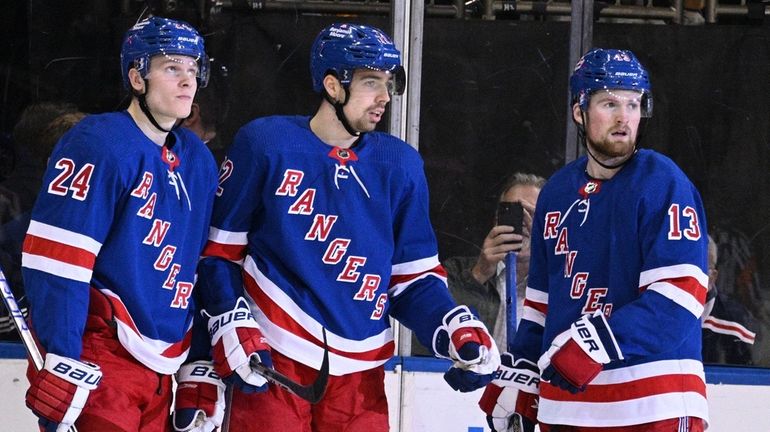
186 421
444 344
82 374
522 374
238 317
593 335
201 371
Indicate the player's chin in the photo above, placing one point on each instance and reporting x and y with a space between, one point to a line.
181 108
366 126
619 147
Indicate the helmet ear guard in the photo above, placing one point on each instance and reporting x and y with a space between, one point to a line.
610 69
162 36
340 49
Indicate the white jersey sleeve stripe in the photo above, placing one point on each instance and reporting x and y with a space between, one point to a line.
57 268
673 272
228 237
418 266
678 296
534 315
398 288
536 296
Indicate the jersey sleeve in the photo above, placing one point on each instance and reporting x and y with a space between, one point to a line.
418 292
674 278
220 281
73 215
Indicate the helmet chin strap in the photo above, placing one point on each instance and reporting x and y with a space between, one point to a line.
338 108
581 136
146 109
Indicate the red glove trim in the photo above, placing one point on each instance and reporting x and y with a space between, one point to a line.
574 365
489 398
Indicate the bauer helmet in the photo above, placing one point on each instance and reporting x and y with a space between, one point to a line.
156 35
340 49
610 69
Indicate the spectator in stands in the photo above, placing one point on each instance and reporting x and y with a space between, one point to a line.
36 133
726 322
19 189
204 115
479 281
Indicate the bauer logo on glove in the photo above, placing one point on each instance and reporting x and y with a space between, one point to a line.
77 375
230 319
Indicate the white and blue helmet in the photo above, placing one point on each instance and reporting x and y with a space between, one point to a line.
156 35
610 69
340 49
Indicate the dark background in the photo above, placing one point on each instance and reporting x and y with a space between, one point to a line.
493 102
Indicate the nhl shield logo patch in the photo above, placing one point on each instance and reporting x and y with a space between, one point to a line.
169 158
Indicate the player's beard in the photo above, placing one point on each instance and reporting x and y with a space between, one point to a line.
368 121
608 149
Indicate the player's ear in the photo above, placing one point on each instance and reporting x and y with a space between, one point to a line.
136 80
576 115
333 87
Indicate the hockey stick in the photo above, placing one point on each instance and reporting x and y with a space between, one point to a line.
510 299
311 392
21 326
228 409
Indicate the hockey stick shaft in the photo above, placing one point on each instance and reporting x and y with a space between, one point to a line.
312 392
21 326
511 300
228 409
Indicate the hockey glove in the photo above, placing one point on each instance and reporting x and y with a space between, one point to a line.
59 391
200 398
577 355
235 339
465 340
512 397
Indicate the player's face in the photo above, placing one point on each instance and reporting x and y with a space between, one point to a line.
172 86
612 122
369 94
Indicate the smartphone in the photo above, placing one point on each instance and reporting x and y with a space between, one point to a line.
512 214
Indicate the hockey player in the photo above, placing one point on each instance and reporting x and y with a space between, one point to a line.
322 223
617 279
116 233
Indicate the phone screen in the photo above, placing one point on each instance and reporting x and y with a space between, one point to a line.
512 214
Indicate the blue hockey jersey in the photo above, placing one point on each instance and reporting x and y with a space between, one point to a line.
634 247
120 221
319 236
